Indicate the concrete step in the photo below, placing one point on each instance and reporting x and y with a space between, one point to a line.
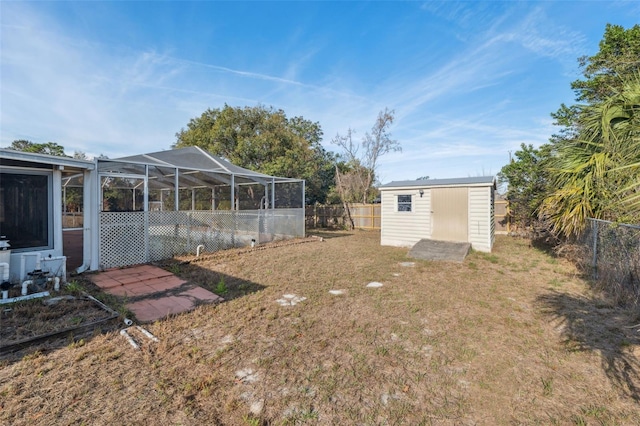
440 250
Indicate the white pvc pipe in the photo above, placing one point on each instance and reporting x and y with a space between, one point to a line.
5 294
19 298
147 333
25 287
5 271
199 249
56 283
132 342
23 262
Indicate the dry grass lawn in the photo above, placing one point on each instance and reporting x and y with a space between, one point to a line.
514 337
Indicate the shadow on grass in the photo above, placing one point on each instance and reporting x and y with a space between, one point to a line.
545 245
589 325
327 233
226 286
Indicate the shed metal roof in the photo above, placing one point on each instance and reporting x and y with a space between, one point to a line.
469 181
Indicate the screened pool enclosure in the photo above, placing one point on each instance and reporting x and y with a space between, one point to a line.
154 206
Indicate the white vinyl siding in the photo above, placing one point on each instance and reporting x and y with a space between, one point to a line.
480 218
404 229
401 228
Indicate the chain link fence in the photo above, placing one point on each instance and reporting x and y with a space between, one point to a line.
612 252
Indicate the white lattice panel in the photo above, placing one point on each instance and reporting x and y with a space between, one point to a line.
138 237
122 239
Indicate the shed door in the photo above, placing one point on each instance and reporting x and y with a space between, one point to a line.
450 214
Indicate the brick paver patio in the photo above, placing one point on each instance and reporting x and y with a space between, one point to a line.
157 293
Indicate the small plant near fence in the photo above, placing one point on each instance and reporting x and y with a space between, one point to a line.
221 287
612 254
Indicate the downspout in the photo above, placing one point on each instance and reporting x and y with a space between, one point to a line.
91 210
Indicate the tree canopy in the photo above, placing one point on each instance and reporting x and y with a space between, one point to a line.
605 72
527 176
356 173
596 173
590 168
50 148
265 140
356 178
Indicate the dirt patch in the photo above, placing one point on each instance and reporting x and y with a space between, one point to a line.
34 318
511 337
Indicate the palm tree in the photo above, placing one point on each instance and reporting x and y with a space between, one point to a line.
596 173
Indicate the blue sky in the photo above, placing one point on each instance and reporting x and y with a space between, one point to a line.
469 81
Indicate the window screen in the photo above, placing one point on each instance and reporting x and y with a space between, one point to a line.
122 194
24 209
404 203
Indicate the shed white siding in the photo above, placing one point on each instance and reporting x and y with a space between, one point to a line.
404 229
480 218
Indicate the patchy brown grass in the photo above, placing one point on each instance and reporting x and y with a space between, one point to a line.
29 319
512 337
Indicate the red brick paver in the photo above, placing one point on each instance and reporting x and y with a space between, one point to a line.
154 283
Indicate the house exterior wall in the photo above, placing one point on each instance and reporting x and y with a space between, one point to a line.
404 229
481 221
21 261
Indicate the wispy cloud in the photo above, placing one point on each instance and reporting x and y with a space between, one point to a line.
461 104
541 35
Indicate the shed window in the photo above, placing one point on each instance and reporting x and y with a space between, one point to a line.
25 218
404 203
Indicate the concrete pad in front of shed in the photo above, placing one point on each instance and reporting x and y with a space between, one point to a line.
440 250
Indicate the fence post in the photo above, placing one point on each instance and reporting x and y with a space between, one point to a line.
315 215
594 261
372 226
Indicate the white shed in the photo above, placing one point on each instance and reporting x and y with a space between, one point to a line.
459 210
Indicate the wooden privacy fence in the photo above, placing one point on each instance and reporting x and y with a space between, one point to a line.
500 214
365 216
